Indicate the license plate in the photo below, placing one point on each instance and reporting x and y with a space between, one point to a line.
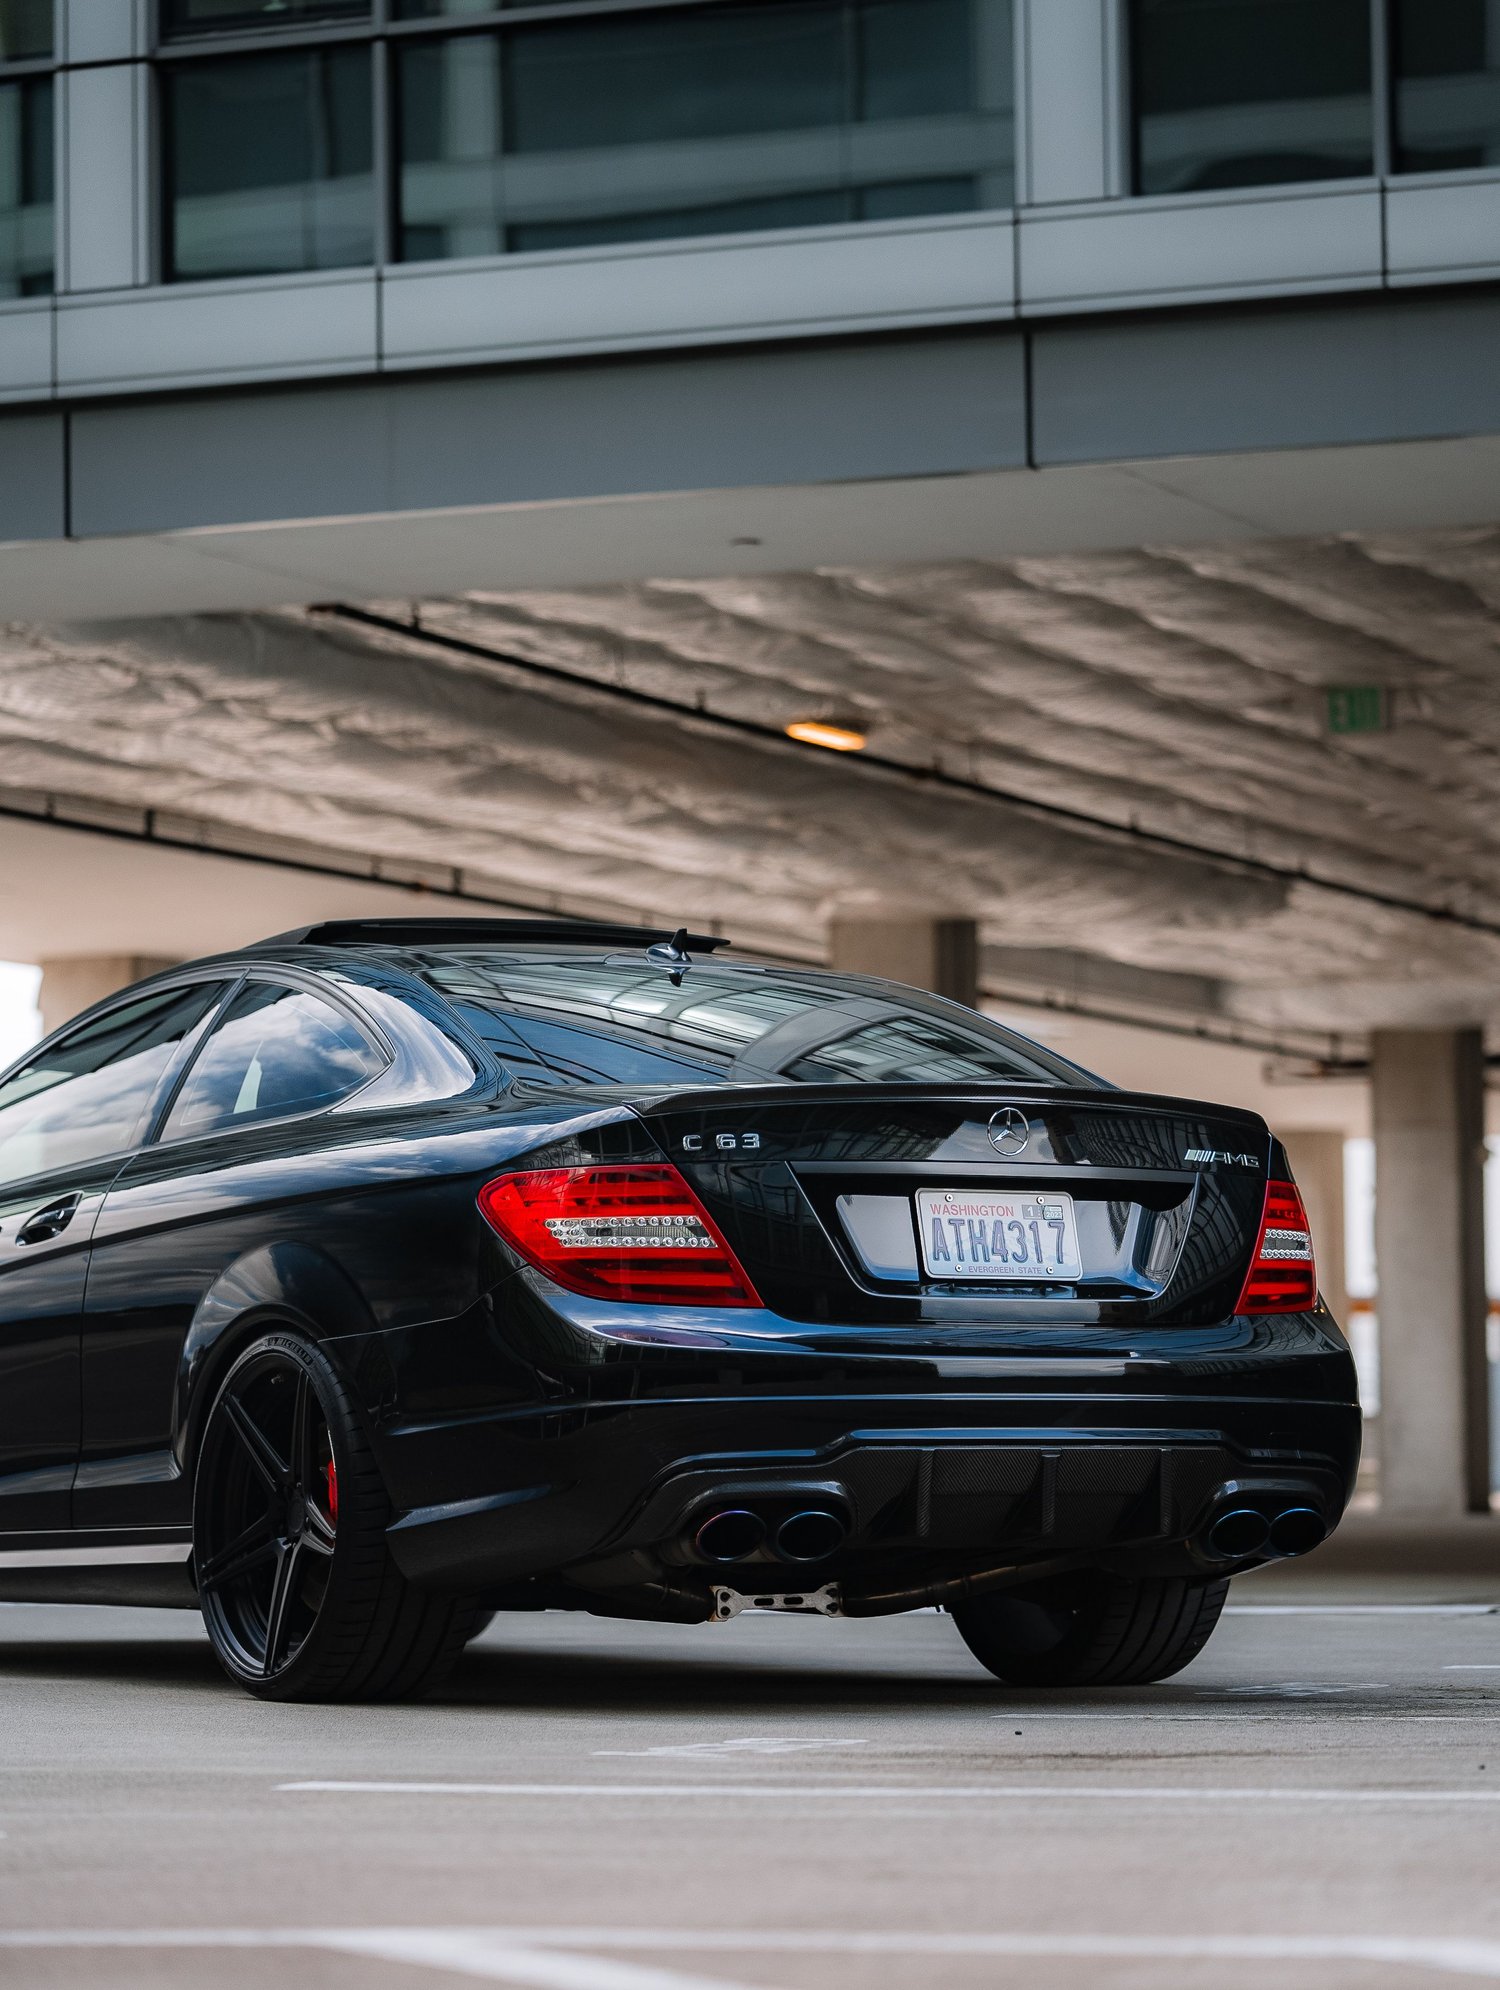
985 1233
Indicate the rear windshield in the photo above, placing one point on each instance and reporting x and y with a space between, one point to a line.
615 1020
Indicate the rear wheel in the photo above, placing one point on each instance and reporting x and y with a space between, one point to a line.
1091 1628
298 1590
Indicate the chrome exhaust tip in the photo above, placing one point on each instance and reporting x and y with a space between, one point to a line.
1298 1530
730 1536
811 1536
1239 1532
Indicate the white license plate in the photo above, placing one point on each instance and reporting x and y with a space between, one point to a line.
987 1233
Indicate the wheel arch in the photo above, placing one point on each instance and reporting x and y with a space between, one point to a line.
286 1285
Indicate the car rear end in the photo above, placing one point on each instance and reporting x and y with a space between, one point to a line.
869 1346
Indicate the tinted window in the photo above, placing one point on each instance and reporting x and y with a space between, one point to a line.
276 1051
269 163
617 1021
26 192
207 17
1447 70
1234 93
87 1094
25 29
703 120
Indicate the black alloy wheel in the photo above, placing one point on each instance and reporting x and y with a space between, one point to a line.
298 1591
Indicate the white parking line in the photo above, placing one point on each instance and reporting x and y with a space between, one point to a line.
1361 1609
550 1958
944 1792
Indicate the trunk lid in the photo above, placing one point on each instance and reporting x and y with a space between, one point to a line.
878 1204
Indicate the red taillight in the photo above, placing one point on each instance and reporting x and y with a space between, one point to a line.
633 1231
1282 1276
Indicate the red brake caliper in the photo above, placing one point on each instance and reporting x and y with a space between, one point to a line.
331 1474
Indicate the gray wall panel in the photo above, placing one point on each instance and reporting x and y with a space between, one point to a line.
32 485
1392 371
895 408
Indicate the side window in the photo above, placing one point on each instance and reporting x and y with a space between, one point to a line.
276 1051
87 1094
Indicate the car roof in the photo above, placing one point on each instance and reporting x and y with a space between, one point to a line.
441 933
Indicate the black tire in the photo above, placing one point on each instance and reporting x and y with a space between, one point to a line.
298 1590
1090 1628
482 1621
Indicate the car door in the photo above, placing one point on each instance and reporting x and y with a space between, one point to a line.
68 1117
184 1209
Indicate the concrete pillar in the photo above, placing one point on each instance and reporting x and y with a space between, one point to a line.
1317 1160
1428 1100
938 954
75 981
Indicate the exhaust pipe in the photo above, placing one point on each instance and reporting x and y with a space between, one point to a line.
1240 1532
1297 1530
730 1536
811 1536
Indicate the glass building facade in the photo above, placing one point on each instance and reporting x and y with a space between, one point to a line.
297 135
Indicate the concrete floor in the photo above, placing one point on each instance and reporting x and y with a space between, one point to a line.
775 1803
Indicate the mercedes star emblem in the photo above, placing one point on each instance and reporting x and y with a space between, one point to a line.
1009 1130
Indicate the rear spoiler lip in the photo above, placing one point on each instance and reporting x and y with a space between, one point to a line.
1032 1092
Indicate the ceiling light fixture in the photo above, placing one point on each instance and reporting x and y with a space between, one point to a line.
839 735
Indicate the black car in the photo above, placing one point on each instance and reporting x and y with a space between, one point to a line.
390 1273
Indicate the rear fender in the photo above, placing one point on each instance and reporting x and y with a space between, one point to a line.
282 1285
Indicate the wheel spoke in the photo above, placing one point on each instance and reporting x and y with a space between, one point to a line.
254 1545
280 1606
319 1532
264 1456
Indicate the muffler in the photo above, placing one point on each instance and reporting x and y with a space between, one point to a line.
810 1536
730 1536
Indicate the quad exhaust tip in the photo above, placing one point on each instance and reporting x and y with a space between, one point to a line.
1242 1532
736 1533
730 1536
811 1536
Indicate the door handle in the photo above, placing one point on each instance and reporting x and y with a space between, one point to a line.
49 1222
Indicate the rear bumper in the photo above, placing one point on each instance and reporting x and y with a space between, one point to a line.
917 1479
527 1441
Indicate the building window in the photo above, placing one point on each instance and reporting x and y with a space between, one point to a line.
1236 93
213 17
26 255
700 121
25 30
1446 68
269 163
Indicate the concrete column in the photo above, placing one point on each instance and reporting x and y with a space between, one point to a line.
73 982
1428 1099
1317 1160
938 954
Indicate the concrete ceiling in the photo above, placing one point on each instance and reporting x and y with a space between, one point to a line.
1180 690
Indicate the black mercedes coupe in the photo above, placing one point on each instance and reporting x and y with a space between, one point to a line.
390 1273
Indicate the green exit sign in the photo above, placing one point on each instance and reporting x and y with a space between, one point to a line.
1357 708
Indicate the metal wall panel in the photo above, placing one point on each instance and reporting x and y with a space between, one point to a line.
1070 88
1448 232
1131 253
192 334
663 292
814 414
102 206
102 30
32 481
25 349
1391 370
